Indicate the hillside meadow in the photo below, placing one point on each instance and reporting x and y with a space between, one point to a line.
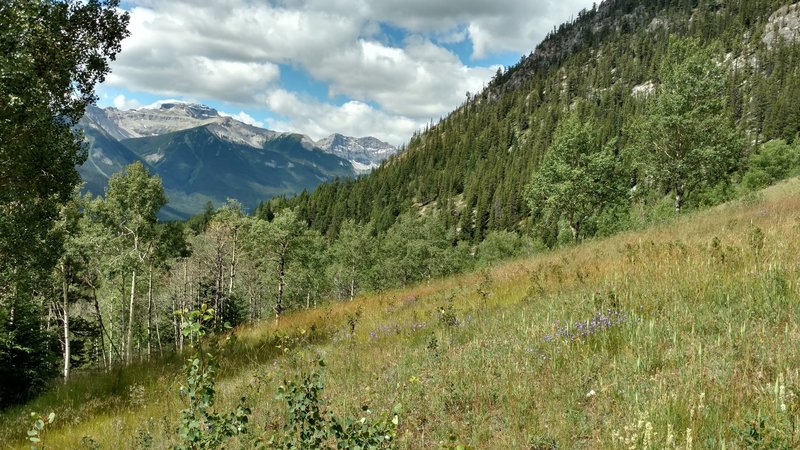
684 335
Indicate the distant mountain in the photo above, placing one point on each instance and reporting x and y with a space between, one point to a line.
106 156
364 153
202 156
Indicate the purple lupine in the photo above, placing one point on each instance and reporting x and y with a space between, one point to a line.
600 321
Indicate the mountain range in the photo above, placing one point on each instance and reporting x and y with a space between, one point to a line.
203 156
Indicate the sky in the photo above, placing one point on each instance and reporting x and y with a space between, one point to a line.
381 68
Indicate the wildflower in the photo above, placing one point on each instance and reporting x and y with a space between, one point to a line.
591 394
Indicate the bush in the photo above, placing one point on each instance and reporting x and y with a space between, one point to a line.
310 425
775 161
201 427
501 245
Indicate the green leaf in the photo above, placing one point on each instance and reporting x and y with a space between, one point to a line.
51 417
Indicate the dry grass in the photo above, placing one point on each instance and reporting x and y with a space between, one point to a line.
711 336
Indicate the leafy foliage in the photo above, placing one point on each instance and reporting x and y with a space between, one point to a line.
310 425
37 431
685 141
774 161
577 179
201 427
52 54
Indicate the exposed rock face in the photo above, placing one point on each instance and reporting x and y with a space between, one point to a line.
783 24
364 153
644 89
571 37
169 117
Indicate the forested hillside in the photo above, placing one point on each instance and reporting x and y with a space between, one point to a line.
630 115
604 67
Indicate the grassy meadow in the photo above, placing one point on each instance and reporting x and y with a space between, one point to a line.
684 335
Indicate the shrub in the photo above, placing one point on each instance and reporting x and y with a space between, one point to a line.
309 424
201 427
775 161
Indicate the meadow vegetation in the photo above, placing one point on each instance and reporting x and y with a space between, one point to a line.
682 335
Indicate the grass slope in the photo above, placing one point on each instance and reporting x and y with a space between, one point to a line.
701 341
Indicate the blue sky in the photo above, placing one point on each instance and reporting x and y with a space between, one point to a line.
382 68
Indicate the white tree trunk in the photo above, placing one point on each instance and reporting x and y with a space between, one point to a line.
149 309
129 342
65 317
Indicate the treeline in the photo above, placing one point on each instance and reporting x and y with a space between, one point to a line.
473 165
114 292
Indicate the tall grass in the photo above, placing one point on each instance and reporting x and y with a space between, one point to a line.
684 335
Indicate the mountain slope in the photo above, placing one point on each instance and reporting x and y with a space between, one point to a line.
106 156
198 166
475 164
364 153
560 354
205 157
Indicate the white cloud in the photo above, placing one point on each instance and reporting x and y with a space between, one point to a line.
121 102
353 118
231 51
242 116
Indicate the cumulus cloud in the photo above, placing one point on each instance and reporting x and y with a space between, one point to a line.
231 51
421 80
353 118
242 116
121 102
494 26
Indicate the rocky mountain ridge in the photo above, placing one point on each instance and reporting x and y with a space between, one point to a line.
203 156
364 153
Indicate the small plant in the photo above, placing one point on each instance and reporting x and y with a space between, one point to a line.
352 321
454 444
201 427
143 440
602 320
310 425
447 315
37 431
539 442
757 434
88 443
433 344
484 288
136 395
756 240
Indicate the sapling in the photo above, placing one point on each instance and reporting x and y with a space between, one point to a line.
201 427
37 431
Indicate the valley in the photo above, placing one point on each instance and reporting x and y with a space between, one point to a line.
454 226
205 157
